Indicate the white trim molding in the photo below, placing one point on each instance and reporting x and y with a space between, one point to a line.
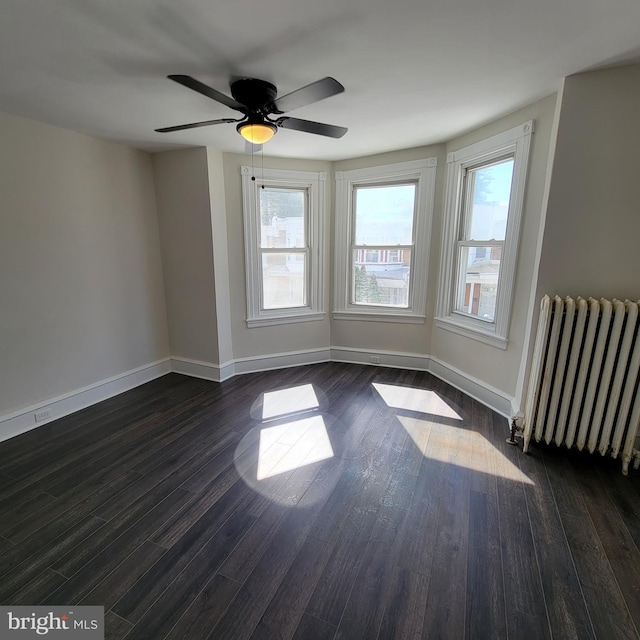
378 358
313 183
513 143
203 370
273 361
252 364
23 420
423 174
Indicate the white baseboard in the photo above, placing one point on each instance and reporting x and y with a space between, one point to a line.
473 387
204 370
491 397
23 420
254 364
282 360
396 360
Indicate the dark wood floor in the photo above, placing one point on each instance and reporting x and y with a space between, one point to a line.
419 521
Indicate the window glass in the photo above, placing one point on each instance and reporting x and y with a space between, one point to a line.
384 214
382 283
282 218
489 188
283 280
478 281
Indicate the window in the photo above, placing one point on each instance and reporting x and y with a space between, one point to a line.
383 221
483 206
283 246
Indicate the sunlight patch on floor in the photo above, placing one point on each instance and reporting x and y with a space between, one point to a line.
462 447
289 401
410 399
292 445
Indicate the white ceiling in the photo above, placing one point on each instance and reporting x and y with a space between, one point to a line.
415 71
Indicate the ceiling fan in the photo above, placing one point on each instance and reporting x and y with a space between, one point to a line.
258 102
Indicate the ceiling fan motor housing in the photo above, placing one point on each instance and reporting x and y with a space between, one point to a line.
256 95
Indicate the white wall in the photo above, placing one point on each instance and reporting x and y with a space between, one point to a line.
592 230
81 292
184 216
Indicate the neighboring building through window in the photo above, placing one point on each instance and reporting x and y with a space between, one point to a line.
483 206
383 221
283 214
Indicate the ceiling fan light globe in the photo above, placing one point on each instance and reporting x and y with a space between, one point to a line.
257 132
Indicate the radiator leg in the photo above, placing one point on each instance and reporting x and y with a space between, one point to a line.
625 465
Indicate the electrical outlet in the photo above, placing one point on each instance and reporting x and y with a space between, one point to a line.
41 415
375 359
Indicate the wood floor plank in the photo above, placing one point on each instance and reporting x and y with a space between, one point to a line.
334 587
251 601
55 517
142 519
403 615
5 545
35 591
421 523
604 599
486 613
566 606
626 502
446 596
86 573
363 612
527 609
124 576
135 602
617 542
289 602
606 602
244 558
175 527
24 562
311 628
160 618
28 499
185 464
205 610
115 627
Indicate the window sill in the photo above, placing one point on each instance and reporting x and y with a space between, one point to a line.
471 331
367 316
290 319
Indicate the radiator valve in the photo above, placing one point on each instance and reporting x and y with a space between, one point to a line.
514 429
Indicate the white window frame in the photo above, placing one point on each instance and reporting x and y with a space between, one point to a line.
314 182
423 173
515 142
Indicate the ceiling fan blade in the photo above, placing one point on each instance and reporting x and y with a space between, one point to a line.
194 125
206 90
308 126
308 94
